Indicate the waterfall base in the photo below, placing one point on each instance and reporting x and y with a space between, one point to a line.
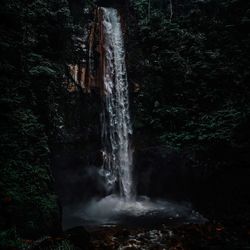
113 210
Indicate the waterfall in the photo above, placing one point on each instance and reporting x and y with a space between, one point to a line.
116 123
120 205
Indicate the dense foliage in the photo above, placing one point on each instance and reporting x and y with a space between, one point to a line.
35 36
193 69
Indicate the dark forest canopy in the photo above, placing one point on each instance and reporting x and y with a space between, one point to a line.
189 61
195 71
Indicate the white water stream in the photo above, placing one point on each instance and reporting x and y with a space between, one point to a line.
116 124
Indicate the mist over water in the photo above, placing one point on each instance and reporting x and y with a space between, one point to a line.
112 210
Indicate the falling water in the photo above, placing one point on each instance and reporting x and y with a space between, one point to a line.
116 124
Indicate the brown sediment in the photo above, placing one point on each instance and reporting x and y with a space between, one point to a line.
84 74
77 73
